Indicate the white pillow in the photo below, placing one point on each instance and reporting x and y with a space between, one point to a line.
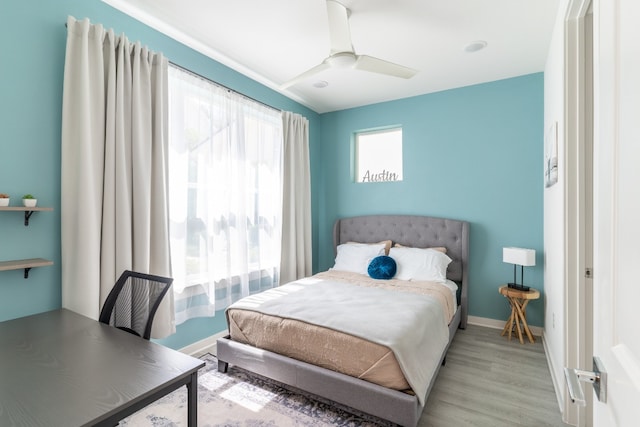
420 264
355 257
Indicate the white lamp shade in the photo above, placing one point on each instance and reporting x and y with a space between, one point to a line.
519 256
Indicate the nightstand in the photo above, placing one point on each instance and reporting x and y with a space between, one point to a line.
518 320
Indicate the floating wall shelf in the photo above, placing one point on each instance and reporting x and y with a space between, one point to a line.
26 264
27 211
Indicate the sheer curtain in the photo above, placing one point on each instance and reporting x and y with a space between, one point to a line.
114 168
225 195
296 207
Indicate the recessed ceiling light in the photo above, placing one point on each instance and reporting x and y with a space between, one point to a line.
475 46
320 84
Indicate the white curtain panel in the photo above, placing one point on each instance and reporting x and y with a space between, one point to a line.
114 168
225 195
296 204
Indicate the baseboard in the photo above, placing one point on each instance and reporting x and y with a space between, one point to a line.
499 324
558 385
199 346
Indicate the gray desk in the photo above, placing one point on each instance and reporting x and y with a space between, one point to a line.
63 369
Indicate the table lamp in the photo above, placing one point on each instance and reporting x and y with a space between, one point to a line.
522 257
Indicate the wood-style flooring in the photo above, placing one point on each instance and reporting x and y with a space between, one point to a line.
488 381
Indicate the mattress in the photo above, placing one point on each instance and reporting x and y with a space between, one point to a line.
330 348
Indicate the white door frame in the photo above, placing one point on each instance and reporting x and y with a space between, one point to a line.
617 208
578 202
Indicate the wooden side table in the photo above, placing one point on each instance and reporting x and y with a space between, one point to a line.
518 320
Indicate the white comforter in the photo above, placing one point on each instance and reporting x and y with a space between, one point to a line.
412 326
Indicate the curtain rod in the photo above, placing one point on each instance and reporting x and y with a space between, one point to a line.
223 86
218 84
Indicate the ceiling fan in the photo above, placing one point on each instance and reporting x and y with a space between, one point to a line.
342 54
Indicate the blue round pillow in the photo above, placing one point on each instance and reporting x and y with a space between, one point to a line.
382 267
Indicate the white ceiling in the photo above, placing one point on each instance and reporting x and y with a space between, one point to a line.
274 41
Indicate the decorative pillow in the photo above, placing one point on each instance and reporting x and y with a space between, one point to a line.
420 264
435 248
382 267
387 245
355 257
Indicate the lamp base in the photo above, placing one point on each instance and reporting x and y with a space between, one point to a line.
518 287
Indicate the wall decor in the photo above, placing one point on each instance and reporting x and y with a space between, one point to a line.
551 155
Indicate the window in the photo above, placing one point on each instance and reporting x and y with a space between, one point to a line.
378 155
225 188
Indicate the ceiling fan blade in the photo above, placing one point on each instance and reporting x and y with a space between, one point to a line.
339 31
380 66
315 70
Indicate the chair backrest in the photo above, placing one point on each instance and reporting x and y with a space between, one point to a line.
133 302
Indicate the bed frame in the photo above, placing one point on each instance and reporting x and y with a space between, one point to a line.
388 404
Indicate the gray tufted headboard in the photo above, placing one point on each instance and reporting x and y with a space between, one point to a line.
416 231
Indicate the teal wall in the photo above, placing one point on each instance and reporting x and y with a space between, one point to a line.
473 153
32 48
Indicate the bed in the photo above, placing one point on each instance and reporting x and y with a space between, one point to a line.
383 394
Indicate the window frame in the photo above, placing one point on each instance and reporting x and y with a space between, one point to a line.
378 175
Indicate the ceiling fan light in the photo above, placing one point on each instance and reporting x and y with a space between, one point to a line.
342 60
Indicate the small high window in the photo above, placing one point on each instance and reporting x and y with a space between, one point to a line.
378 155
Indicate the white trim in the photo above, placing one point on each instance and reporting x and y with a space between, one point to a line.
498 324
199 346
558 384
577 314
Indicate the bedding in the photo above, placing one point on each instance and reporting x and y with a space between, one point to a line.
356 257
387 245
329 318
420 264
436 248
312 357
382 267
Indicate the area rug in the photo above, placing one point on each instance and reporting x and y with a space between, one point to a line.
243 399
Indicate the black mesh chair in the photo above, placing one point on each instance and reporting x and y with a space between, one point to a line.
133 302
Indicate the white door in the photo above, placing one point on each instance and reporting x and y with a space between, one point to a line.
617 209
